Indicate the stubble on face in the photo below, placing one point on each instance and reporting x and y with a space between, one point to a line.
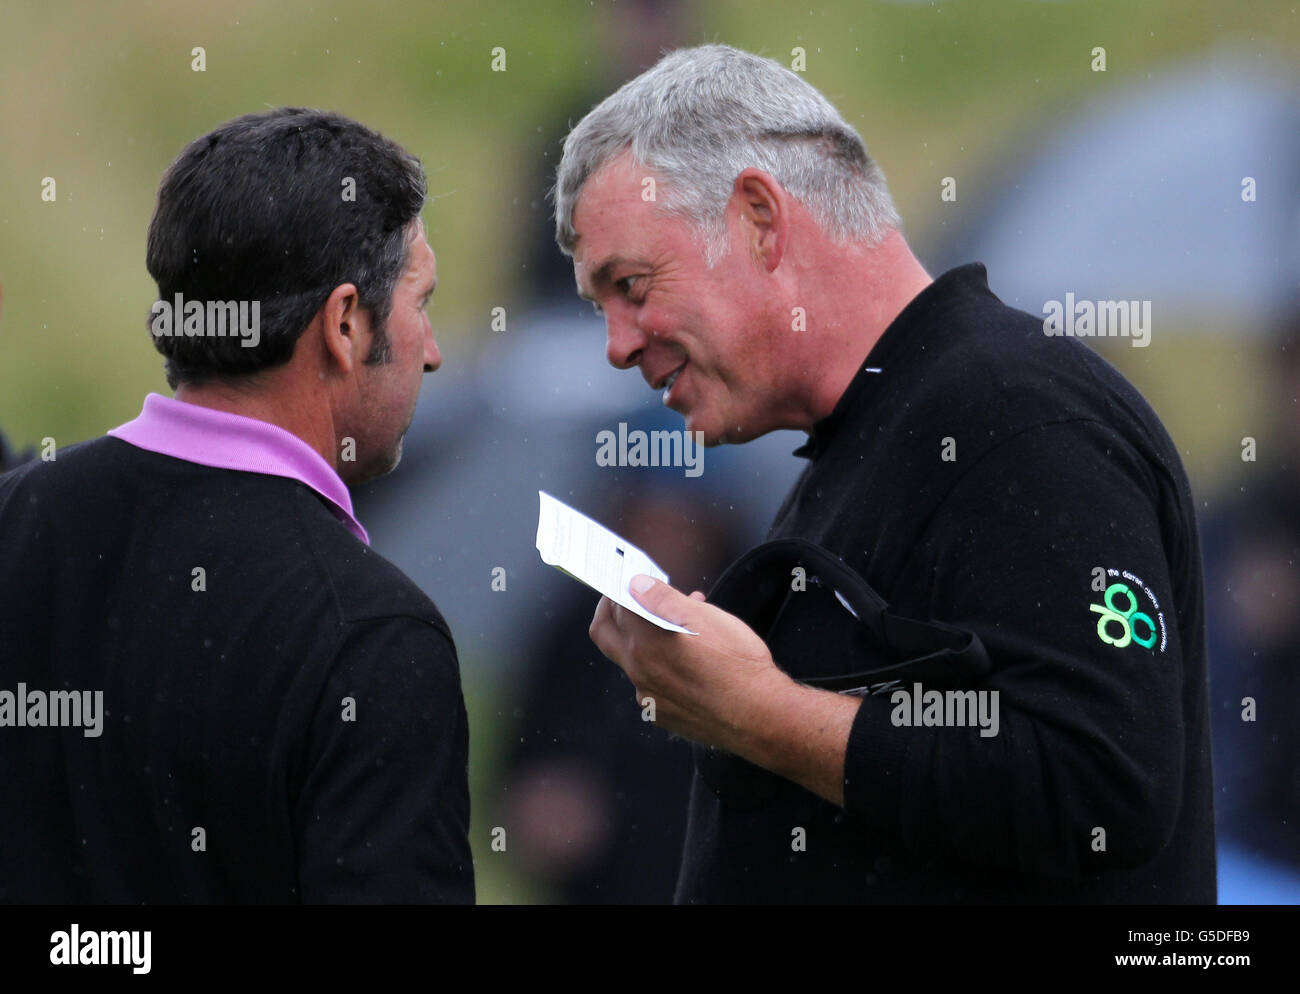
388 392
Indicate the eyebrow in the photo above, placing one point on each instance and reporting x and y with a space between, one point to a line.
601 275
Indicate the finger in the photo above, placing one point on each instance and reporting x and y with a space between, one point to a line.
601 615
603 630
663 601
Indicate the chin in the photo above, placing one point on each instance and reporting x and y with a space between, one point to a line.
714 439
735 435
358 473
712 435
394 457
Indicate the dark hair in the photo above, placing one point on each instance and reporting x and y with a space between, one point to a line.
280 207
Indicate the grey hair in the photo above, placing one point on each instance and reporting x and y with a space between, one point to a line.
701 116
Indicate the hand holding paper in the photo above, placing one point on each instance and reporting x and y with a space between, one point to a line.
570 541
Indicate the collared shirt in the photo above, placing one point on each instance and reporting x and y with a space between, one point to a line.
210 437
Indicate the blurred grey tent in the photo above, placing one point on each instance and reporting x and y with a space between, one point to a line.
1139 195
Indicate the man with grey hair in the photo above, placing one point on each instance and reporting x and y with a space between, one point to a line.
1014 706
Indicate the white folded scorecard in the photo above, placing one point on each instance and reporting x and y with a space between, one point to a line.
591 553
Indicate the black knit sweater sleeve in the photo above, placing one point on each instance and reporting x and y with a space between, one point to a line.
383 812
1065 573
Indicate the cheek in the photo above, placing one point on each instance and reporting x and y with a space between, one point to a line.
659 317
685 316
410 340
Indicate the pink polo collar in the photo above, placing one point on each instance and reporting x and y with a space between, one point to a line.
231 441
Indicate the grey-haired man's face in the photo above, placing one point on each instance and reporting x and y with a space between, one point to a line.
697 334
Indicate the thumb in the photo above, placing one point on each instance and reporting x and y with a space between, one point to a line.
662 600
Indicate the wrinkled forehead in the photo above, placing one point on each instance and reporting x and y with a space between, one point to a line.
616 187
617 219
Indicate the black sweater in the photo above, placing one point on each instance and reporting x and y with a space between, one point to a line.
225 707
982 478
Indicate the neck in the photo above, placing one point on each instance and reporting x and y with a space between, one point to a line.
297 412
863 289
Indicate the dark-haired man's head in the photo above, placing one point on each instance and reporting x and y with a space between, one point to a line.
293 275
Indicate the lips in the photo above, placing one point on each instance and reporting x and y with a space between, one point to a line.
668 383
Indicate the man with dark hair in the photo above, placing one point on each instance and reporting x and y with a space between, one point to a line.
211 689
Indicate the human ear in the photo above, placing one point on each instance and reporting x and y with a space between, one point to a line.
345 328
763 208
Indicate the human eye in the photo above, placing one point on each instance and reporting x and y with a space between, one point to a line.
626 285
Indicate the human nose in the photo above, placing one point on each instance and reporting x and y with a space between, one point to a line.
432 357
624 341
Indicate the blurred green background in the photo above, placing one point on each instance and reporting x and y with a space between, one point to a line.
102 96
